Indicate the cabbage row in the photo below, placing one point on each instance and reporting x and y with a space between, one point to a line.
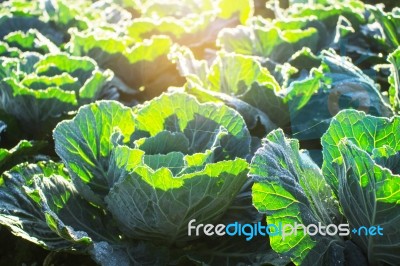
122 122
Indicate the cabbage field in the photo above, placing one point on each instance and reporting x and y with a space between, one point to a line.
199 132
